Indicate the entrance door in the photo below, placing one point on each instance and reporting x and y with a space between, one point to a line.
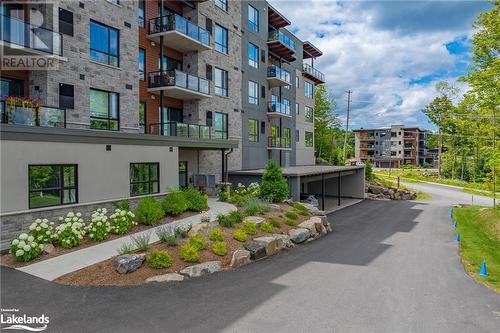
183 174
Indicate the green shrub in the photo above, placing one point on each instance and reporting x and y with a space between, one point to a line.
121 221
236 216
254 206
225 221
141 241
300 207
302 212
69 233
167 235
159 259
274 223
123 205
291 223
291 215
219 248
149 211
240 235
369 176
266 227
197 241
249 228
174 203
189 253
216 235
42 231
125 248
273 186
99 227
196 201
25 248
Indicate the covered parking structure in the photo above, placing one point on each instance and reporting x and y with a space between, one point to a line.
323 181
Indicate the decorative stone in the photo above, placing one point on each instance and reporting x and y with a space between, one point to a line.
274 208
205 268
257 250
203 228
166 278
314 225
299 235
129 262
240 258
271 244
283 241
257 220
48 249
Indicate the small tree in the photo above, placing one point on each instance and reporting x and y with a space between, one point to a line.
368 171
273 186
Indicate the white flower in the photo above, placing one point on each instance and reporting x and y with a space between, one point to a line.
71 214
123 213
44 225
32 226
79 214
61 218
26 248
15 241
19 253
47 233
41 246
40 237
91 235
45 220
38 220
67 219
38 228
23 236
75 218
21 243
31 238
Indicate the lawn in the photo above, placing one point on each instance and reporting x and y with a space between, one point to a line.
479 229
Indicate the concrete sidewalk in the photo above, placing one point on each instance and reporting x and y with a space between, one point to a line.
53 268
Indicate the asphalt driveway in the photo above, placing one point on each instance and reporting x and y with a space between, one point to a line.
388 267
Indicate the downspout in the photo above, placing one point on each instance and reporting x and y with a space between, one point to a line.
225 162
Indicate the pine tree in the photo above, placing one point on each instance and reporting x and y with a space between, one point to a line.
273 186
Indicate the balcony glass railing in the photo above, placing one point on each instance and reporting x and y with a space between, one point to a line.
173 128
174 22
314 72
277 142
279 73
20 33
277 107
180 79
277 35
28 116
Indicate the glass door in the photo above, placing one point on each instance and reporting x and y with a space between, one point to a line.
183 174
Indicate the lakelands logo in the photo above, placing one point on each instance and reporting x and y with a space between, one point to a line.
15 321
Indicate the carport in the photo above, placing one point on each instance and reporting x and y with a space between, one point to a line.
323 181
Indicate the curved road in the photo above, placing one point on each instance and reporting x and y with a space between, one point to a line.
388 267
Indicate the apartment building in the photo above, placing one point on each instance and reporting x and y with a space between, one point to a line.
392 146
143 97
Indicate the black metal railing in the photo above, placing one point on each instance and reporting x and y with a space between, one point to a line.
174 22
279 73
170 78
278 142
42 116
314 72
20 33
177 129
277 35
277 107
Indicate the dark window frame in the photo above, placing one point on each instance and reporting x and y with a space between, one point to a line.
254 26
142 73
254 100
144 130
306 141
66 26
61 186
253 62
224 88
141 20
108 55
108 118
222 4
253 137
150 181
68 100
225 130
222 48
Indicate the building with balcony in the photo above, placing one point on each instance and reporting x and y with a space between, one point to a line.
392 146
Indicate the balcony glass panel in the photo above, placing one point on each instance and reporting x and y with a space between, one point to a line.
28 116
313 71
279 73
280 108
177 129
179 79
277 35
174 22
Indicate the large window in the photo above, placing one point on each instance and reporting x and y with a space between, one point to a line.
220 128
142 117
253 18
253 55
222 4
142 64
221 82
144 178
287 136
308 89
141 13
104 110
309 139
220 39
253 92
253 130
104 44
52 185
308 114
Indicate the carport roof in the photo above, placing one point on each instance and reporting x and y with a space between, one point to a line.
304 170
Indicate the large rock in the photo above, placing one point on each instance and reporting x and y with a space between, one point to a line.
48 249
203 228
166 278
274 208
299 235
257 250
314 225
240 258
129 262
271 244
375 189
283 241
257 220
205 268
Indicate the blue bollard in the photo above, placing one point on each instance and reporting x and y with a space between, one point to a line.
455 224
483 271
451 213
457 238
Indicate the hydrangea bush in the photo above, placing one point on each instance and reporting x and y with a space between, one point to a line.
25 248
42 231
99 226
122 221
71 230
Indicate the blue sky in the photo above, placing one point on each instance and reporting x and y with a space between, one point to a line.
389 53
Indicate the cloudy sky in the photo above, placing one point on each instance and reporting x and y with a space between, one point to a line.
389 53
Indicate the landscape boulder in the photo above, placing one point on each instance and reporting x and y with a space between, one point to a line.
128 263
257 220
274 208
257 250
48 249
283 241
314 225
205 268
270 243
203 228
240 258
166 278
299 235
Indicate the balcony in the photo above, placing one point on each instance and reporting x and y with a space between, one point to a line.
367 147
281 45
367 138
277 77
20 39
179 33
313 74
183 130
178 85
279 143
277 109
42 116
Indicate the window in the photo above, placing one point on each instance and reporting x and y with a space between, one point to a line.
253 55
221 82
169 64
297 80
144 178
11 87
297 108
142 117
222 4
253 93
221 129
220 39
286 103
142 65
52 185
66 96
104 110
140 15
297 135
308 89
253 18
308 114
65 22
309 139
253 130
287 135
103 44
